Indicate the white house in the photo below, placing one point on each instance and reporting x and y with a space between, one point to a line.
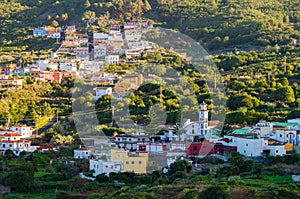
82 153
70 66
100 36
112 59
106 167
151 147
295 120
104 77
92 66
277 150
12 141
100 51
24 131
45 64
285 136
264 128
174 155
250 147
100 91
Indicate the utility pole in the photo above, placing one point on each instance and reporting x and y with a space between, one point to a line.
215 81
56 115
37 128
160 95
285 64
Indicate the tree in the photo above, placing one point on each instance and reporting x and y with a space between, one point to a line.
20 178
286 19
104 113
284 94
147 6
89 14
55 23
87 4
101 178
215 192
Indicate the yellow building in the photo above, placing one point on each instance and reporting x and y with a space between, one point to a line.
132 161
289 147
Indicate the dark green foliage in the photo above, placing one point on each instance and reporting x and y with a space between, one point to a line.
104 111
20 177
102 178
215 192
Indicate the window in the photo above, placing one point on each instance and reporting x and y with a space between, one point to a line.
246 144
195 148
10 145
132 162
140 162
193 132
276 151
244 151
127 162
280 135
3 145
86 152
130 139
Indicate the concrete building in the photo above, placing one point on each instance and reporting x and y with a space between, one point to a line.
250 147
101 91
105 167
112 59
82 153
24 131
12 141
136 162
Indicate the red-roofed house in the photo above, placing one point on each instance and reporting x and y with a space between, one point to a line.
12 141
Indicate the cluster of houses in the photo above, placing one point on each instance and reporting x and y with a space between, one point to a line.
121 84
88 57
15 138
142 153
121 40
75 44
47 31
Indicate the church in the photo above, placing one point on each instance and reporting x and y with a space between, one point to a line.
200 128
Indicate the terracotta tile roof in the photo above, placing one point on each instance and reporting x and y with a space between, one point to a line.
11 134
15 141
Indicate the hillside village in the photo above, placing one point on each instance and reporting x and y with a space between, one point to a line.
95 104
83 57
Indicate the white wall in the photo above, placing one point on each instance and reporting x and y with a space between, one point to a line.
80 154
250 147
277 150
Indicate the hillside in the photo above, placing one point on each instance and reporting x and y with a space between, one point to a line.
218 24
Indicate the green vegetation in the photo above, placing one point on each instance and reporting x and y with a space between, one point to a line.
60 180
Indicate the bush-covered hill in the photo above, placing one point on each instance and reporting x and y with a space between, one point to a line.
218 24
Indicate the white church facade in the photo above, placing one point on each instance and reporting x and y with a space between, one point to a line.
198 128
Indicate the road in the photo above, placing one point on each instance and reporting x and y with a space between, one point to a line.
45 127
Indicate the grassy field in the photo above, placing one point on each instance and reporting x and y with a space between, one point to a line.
266 181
